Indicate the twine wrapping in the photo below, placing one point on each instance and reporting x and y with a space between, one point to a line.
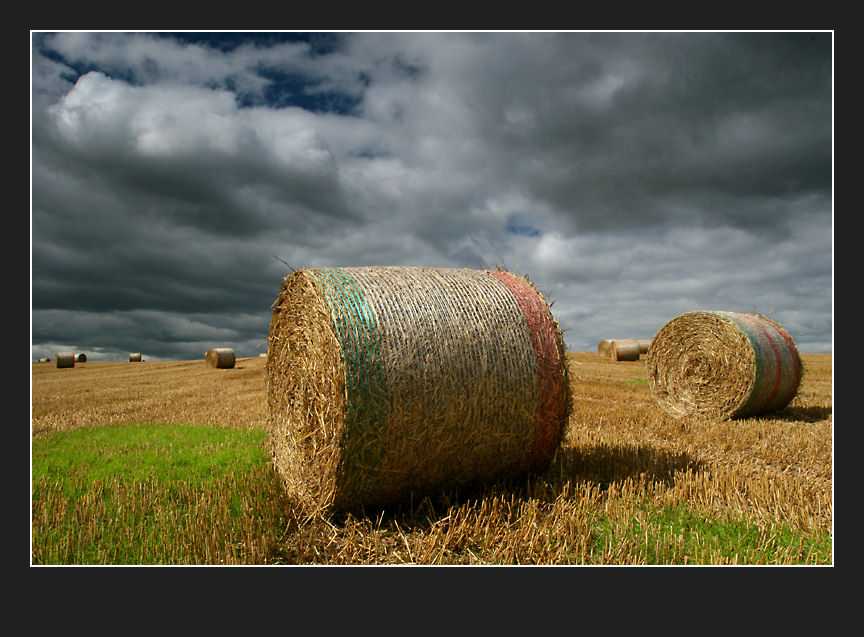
383 382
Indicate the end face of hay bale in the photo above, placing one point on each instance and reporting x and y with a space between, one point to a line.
82 358
65 359
220 357
135 357
382 382
723 365
604 347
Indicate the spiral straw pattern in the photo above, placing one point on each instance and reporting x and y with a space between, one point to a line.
384 382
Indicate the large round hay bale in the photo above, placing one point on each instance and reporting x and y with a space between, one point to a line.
644 344
82 358
624 349
220 357
135 357
384 382
64 359
723 365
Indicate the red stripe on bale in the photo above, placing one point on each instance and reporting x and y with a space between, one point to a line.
552 388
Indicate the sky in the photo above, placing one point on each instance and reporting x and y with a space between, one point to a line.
178 177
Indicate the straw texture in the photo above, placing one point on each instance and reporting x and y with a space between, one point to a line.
387 382
723 365
220 357
64 359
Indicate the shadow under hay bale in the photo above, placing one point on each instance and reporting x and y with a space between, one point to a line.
383 383
220 357
723 365
64 359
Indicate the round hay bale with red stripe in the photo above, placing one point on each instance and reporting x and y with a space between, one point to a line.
64 359
135 357
220 357
383 382
723 365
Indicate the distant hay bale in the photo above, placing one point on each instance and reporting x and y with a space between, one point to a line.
65 359
135 357
82 358
220 357
723 365
604 347
384 382
644 344
620 349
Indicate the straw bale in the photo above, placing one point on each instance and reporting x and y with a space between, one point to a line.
135 357
604 347
383 382
723 365
644 344
65 359
82 358
624 349
220 357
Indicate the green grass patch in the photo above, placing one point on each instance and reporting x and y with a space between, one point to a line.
681 535
155 494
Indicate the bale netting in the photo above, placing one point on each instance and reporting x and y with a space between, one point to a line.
135 357
220 357
64 359
723 365
388 382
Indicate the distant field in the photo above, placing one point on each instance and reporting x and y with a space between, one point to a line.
629 484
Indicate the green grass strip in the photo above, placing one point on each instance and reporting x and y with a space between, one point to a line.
155 494
359 339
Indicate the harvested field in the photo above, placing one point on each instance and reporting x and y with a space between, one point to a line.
623 464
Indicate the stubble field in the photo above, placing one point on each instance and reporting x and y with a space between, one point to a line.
629 484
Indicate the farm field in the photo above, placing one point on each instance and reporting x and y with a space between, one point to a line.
629 484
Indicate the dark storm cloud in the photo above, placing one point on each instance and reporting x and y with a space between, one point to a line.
633 176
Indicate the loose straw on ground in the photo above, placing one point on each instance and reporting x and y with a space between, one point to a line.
388 382
723 365
220 357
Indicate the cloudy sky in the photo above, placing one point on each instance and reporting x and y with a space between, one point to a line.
631 176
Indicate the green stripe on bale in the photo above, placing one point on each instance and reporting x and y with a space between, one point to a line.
383 382
723 364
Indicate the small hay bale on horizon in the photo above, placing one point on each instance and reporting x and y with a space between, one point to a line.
82 358
644 345
619 349
723 364
135 357
604 346
220 357
64 359
388 382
